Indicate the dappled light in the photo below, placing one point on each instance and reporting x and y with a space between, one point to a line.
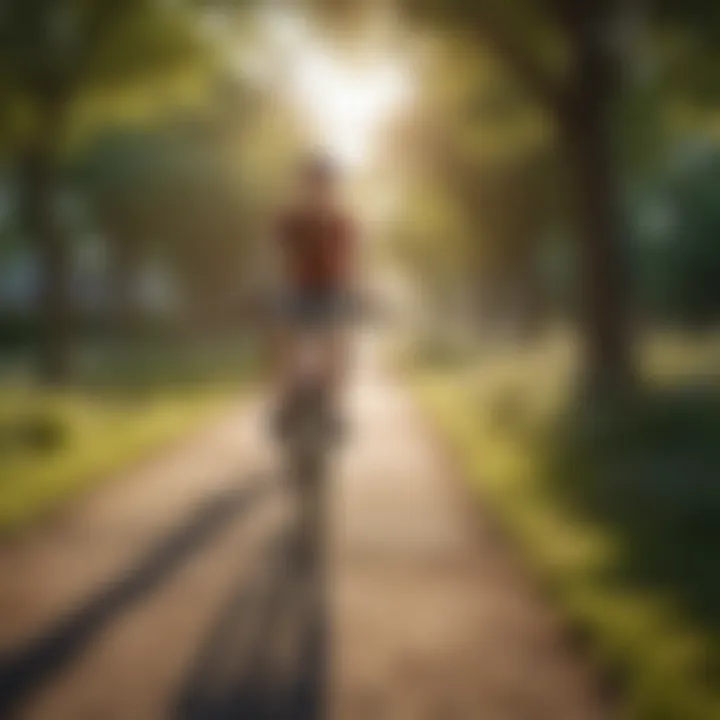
359 360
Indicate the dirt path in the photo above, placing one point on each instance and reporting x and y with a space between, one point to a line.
170 595
433 617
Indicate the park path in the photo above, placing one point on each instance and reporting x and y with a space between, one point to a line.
170 594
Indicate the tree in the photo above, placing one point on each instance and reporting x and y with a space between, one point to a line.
54 54
118 176
190 192
563 54
574 57
676 249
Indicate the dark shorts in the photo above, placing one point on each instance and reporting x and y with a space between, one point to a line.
316 309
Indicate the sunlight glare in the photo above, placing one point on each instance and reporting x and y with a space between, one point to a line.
346 106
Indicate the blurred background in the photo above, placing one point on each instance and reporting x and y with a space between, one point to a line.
537 182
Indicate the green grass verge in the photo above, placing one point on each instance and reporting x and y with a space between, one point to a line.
121 406
78 441
617 511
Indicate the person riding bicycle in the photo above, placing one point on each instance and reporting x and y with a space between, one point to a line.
317 242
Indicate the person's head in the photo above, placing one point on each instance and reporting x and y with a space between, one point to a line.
319 177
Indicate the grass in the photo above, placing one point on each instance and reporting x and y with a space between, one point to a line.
122 406
617 508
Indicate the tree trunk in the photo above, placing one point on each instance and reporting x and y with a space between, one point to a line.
126 265
39 187
603 292
530 300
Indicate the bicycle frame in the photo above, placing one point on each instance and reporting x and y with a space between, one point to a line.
307 453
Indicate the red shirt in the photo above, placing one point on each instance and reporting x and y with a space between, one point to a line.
317 248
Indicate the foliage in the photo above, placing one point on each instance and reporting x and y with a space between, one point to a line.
192 192
75 51
677 253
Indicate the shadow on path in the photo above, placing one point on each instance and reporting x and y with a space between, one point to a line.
23 670
266 655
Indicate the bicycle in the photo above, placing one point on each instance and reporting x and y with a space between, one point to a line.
308 443
312 434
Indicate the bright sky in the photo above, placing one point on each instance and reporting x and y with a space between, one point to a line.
347 108
345 105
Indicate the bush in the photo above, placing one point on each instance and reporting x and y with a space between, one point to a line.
677 255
